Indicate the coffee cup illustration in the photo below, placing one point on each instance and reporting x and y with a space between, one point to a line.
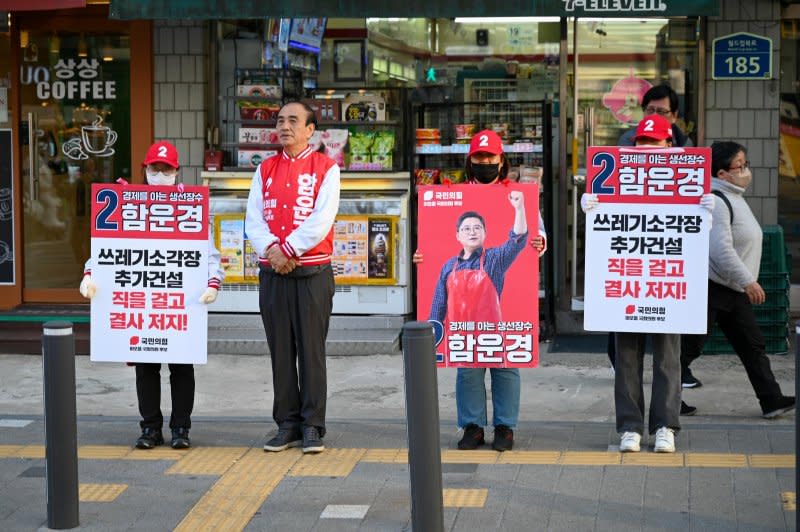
98 138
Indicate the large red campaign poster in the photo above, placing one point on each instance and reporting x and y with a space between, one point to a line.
485 313
647 240
150 263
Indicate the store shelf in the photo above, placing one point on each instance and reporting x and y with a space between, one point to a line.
359 124
252 98
264 123
248 146
438 149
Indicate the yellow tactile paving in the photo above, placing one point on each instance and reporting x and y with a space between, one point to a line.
31 451
100 492
103 452
789 500
529 457
653 459
469 457
207 461
715 460
7 451
590 458
231 503
464 498
159 453
331 463
384 455
773 461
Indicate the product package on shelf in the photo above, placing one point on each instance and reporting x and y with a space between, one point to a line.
258 135
261 91
335 141
325 110
427 176
252 158
258 110
364 108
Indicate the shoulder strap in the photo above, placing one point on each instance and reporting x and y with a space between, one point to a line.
726 200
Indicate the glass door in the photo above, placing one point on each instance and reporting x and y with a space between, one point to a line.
76 130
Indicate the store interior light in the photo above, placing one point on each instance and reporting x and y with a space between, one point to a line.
23 39
55 44
503 20
83 50
107 52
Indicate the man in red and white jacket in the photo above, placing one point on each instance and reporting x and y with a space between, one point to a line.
292 205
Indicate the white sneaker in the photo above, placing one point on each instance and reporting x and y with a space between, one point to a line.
665 440
629 443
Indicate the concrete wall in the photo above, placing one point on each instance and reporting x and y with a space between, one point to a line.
180 78
747 111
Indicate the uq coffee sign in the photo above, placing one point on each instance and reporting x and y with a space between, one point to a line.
69 79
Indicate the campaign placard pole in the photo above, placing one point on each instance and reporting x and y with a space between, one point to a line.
60 425
422 411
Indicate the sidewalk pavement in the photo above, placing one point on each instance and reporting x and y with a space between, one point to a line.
733 469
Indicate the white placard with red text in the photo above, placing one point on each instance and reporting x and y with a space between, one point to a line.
647 240
150 264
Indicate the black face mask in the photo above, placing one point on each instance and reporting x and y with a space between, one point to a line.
484 172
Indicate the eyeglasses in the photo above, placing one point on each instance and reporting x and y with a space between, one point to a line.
471 229
740 169
649 110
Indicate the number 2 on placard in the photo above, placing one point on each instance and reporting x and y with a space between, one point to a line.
110 199
606 160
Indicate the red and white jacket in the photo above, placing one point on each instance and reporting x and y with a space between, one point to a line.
293 203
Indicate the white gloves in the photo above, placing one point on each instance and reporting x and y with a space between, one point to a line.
707 202
209 296
88 287
589 201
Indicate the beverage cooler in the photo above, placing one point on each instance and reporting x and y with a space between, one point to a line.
371 259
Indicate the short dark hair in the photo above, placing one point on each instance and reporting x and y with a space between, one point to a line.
661 91
469 214
723 153
311 117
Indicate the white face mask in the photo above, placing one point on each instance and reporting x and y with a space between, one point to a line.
743 178
160 178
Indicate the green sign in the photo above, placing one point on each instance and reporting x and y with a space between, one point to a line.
239 9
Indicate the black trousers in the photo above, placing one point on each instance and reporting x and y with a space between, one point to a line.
296 310
734 313
148 390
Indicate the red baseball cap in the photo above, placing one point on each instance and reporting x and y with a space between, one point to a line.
486 141
162 152
654 127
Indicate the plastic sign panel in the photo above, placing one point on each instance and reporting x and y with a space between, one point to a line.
742 56
647 240
478 282
150 263
364 249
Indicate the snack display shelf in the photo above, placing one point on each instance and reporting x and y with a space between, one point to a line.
438 149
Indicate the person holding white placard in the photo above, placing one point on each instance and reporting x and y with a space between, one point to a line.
161 168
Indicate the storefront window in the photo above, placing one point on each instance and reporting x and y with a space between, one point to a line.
75 91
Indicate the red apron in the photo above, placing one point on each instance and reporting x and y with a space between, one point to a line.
471 296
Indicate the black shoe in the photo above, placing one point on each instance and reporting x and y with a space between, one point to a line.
284 439
473 437
150 438
180 439
503 438
687 410
688 380
776 407
312 441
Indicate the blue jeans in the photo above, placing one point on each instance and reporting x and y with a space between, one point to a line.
471 396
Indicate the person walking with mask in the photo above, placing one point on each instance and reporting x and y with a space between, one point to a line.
469 288
733 289
161 168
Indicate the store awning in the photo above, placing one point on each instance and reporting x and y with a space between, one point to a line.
238 9
40 5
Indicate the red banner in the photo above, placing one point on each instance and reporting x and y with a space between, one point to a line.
479 280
